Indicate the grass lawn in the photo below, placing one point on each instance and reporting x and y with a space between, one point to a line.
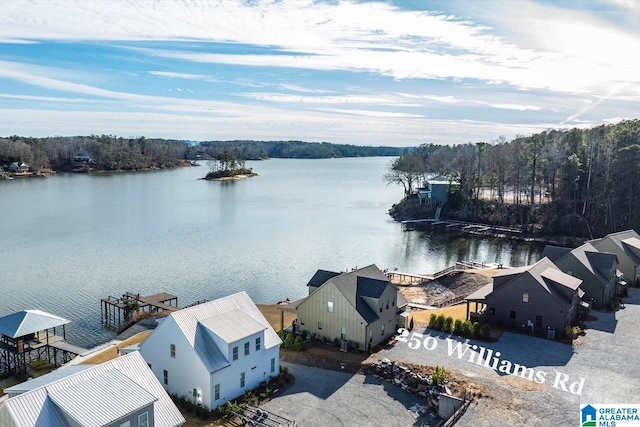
112 353
272 314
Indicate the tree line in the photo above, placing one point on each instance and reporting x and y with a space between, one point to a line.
109 152
579 182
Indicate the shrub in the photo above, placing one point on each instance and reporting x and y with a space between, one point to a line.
297 344
485 331
476 329
282 334
467 328
433 320
357 346
439 375
336 342
288 341
457 327
305 334
448 324
440 322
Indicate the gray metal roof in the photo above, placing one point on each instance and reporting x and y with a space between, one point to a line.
187 319
208 350
102 400
233 325
100 391
58 374
29 322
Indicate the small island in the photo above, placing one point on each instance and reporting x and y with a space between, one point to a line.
228 167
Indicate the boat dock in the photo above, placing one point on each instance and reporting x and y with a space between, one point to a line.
402 278
467 227
115 312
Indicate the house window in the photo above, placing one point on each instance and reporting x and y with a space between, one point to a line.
166 377
126 424
492 311
273 365
380 306
246 348
387 304
143 420
172 350
382 329
393 302
242 376
302 321
319 325
235 353
216 392
512 314
525 297
258 343
330 306
538 321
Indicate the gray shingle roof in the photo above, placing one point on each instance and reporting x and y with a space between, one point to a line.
103 392
366 282
321 277
548 276
29 322
554 253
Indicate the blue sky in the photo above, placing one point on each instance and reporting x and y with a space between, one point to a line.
397 73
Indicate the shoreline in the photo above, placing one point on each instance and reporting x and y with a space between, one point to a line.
231 178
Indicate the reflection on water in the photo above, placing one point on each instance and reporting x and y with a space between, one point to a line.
69 240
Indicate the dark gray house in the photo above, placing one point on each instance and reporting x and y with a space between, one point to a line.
435 191
533 298
597 270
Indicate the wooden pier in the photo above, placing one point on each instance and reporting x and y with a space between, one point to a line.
402 278
116 312
467 227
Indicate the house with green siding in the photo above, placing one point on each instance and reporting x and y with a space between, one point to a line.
626 245
597 270
360 306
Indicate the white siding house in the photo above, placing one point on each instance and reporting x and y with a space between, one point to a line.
116 393
214 352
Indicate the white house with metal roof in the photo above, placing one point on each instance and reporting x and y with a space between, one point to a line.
214 352
122 392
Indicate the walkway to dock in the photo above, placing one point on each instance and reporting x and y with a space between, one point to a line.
401 278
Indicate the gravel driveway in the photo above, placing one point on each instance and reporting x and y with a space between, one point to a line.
323 398
607 360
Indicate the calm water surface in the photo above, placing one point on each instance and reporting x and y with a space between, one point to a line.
69 240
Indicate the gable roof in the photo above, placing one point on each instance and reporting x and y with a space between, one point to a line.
29 322
96 397
366 282
321 277
554 253
58 374
548 276
102 399
214 317
233 325
628 241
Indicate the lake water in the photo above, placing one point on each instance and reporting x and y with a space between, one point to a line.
69 240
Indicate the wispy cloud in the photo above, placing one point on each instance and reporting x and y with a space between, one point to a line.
333 68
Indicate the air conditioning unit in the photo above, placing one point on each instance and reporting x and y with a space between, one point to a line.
197 396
